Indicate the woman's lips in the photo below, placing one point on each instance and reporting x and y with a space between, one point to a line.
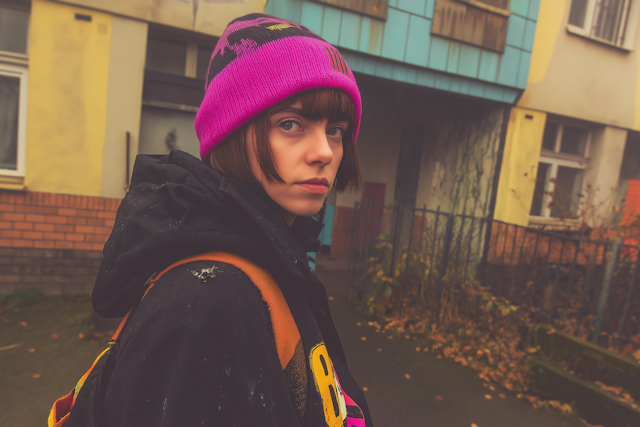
315 185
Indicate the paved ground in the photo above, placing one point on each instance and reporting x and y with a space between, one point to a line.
380 364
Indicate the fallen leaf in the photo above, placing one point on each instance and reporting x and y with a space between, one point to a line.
390 337
331 298
359 324
426 349
406 336
363 338
439 357
379 349
439 398
479 353
502 396
417 348
81 336
9 347
32 350
407 376
36 375
636 355
23 323
474 425
54 336
492 388
551 331
488 396
365 388
532 349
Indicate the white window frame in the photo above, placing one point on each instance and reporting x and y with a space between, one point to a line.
626 32
11 70
555 159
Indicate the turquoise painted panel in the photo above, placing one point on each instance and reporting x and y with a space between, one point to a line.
520 7
509 66
529 34
331 25
534 6
428 11
426 78
365 29
488 69
399 73
383 69
523 70
412 6
492 92
469 61
443 82
455 85
412 75
371 36
394 40
418 41
452 58
360 63
476 89
268 8
464 85
393 3
515 30
292 10
311 16
438 52
325 234
509 95
350 30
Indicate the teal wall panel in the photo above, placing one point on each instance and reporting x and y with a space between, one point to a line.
443 82
418 41
350 30
452 57
509 66
426 78
384 69
438 52
456 85
469 61
488 69
331 25
529 34
523 70
399 73
412 6
520 7
464 85
428 11
509 95
515 31
534 6
311 16
412 75
476 88
394 40
493 92
393 3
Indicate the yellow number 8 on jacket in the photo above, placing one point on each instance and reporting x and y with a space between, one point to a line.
335 410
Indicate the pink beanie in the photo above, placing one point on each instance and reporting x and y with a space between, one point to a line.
259 62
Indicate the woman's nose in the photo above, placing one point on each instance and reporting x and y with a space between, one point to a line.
320 149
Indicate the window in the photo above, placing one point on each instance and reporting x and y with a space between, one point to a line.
559 182
178 57
374 8
604 20
13 90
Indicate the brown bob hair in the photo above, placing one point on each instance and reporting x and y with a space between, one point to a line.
231 155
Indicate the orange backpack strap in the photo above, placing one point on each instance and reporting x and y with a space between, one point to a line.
285 330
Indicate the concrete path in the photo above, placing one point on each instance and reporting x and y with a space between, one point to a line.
381 365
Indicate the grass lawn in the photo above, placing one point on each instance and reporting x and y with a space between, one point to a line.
51 355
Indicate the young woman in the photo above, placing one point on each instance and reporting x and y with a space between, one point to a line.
277 128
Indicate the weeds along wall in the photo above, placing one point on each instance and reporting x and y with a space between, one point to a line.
52 242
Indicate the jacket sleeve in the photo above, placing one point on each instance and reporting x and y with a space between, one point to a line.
199 352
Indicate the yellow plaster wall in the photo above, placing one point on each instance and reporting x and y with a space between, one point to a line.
549 26
519 166
66 117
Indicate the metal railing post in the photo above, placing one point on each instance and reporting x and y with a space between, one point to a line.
606 287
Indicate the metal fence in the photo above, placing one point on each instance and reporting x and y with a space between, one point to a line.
587 285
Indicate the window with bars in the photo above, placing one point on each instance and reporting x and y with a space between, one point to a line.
605 20
560 177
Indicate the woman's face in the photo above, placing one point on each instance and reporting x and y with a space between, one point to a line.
306 154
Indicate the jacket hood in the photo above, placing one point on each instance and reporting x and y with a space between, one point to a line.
179 207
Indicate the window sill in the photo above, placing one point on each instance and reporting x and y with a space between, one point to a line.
14 58
577 31
487 7
555 223
12 183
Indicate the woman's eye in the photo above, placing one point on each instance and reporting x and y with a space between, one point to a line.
335 132
290 125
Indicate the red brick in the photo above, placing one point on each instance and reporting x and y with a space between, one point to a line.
12 216
95 222
43 244
23 226
76 220
26 208
54 219
103 230
4 207
54 236
98 247
87 213
109 223
74 237
11 234
96 238
63 245
106 215
5 243
19 243
85 229
47 210
62 228
6 225
33 235
34 218
44 227
67 212
83 246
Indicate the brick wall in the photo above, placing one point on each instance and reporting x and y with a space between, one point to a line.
52 242
341 233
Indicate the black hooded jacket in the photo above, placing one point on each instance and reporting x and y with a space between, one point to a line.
201 352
